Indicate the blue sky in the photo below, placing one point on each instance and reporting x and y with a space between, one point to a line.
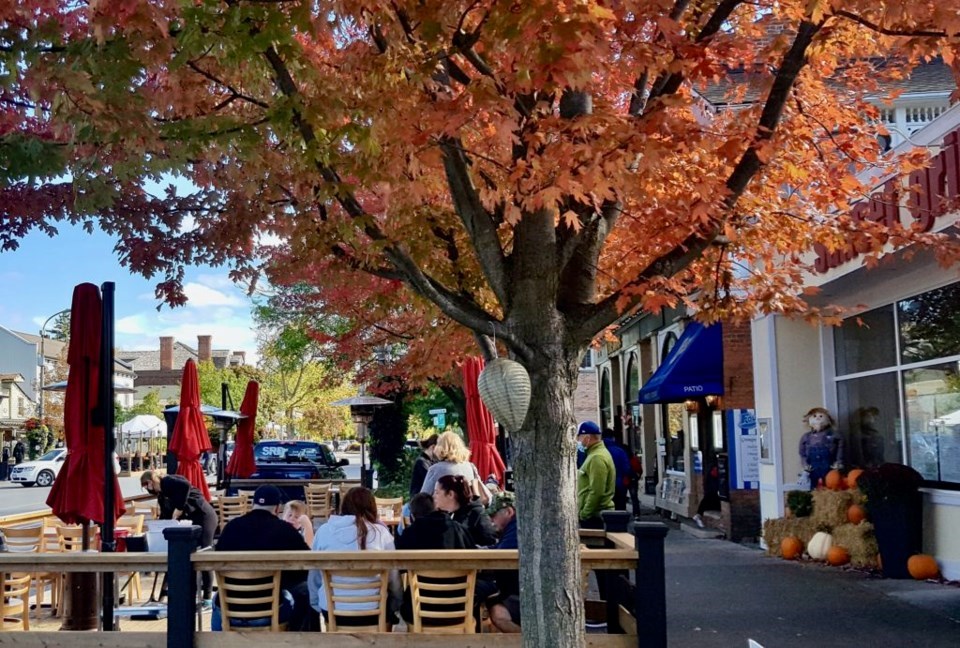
38 280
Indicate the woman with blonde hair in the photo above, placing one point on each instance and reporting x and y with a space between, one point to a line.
453 458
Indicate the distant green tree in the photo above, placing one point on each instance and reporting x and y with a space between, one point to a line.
388 432
60 329
149 405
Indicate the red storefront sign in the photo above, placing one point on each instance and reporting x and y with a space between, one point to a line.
931 193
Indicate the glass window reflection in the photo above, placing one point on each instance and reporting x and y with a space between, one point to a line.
930 325
932 407
865 342
868 413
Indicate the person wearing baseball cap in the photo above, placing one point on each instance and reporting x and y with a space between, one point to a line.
500 589
262 530
596 478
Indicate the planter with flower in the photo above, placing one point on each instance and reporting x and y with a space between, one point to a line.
39 437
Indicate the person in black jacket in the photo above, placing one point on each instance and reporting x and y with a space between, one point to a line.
262 530
178 499
432 529
424 461
454 496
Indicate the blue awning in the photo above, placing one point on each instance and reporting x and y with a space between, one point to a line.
693 368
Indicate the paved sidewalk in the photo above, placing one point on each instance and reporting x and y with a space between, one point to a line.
719 594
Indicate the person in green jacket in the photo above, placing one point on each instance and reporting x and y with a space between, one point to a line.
596 478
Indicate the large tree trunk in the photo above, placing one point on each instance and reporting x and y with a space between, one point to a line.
545 465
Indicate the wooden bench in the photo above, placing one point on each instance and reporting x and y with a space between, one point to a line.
641 553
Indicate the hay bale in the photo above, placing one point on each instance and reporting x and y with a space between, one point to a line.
859 540
830 508
775 530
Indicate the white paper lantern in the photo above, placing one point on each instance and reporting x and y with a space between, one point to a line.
504 387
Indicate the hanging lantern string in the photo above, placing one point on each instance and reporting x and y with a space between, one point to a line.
493 328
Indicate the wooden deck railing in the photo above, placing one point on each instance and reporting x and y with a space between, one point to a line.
639 610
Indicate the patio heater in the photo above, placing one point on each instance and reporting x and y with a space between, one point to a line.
361 411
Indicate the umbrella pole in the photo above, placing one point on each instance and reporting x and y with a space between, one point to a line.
107 541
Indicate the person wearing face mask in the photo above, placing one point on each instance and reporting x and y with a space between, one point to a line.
262 529
596 477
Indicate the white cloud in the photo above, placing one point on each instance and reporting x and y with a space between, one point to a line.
200 296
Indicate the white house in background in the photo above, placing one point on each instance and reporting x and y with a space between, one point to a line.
20 354
15 406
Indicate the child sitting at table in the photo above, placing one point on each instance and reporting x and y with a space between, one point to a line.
295 512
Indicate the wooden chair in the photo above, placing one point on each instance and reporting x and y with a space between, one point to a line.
319 499
342 588
14 601
70 540
230 508
252 598
443 601
27 540
389 508
133 524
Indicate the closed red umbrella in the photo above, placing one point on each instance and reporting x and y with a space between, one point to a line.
242 463
480 425
190 439
77 496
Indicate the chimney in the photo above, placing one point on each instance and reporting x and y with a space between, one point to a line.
166 353
204 347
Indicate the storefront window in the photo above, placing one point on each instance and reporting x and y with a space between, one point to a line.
606 412
930 325
633 404
865 342
932 405
898 411
868 413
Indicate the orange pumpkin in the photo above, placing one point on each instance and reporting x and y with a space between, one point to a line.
923 566
791 548
837 556
835 481
853 476
856 514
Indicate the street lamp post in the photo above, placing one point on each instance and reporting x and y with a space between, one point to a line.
43 360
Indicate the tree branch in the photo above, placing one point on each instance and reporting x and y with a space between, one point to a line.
455 306
680 257
478 223
843 13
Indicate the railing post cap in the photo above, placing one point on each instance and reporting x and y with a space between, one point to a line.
182 532
615 521
650 529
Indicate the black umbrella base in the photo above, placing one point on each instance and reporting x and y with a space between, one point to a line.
81 599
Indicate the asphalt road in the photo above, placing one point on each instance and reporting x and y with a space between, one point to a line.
14 498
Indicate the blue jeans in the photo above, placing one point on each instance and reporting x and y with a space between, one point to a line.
286 611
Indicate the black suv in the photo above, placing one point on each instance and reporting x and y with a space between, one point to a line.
280 460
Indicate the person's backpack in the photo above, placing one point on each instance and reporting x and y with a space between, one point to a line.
636 466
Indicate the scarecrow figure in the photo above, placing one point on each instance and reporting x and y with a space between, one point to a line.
821 449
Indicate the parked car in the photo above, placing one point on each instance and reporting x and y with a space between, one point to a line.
299 459
44 470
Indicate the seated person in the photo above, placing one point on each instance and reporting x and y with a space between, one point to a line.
431 529
262 530
295 513
356 528
453 495
504 602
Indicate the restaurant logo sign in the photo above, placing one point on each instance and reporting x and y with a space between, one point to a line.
930 194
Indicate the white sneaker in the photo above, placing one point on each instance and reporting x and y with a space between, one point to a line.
698 520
